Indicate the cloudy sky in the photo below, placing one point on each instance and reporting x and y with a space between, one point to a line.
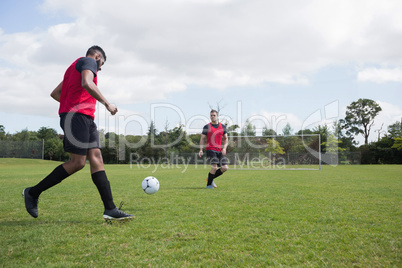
168 61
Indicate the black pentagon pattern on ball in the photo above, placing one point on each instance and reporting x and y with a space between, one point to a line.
145 189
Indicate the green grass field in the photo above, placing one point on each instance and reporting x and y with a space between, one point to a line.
345 216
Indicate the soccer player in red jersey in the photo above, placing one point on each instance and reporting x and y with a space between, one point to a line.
78 94
214 133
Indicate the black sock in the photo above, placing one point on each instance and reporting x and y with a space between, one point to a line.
218 173
210 178
102 183
55 177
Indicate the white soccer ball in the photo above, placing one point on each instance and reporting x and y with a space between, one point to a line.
150 185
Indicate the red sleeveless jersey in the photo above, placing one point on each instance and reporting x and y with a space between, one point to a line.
214 138
74 98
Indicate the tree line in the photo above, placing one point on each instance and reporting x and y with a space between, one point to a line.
359 119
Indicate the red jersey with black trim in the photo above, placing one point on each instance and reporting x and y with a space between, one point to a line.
74 98
214 136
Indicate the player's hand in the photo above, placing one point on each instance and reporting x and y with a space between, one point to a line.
223 151
201 153
111 108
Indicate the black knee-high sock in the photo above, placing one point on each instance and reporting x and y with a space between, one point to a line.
55 177
102 183
218 173
210 178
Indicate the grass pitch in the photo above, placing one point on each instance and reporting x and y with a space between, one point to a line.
340 216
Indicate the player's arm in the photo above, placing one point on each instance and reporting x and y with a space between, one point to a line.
225 143
93 90
56 93
202 142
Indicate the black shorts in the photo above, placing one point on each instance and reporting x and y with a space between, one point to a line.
80 133
217 158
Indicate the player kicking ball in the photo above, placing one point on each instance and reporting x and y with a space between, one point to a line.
214 133
78 94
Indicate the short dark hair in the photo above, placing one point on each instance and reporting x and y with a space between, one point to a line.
214 111
92 50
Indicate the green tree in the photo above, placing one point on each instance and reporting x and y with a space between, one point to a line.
47 133
332 149
360 117
26 135
397 144
111 148
50 148
304 132
384 151
290 144
274 147
53 144
395 130
268 132
2 132
324 133
346 142
152 150
248 129
287 130
231 129
332 145
152 130
177 140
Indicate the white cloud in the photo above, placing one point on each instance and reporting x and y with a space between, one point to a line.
377 75
159 47
389 115
276 121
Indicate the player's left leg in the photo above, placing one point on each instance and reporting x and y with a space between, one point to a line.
102 183
99 178
213 160
220 171
223 164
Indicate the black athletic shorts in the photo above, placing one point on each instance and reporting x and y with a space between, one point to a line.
217 158
80 133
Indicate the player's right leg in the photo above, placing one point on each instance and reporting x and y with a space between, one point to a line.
31 194
31 203
222 167
77 129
